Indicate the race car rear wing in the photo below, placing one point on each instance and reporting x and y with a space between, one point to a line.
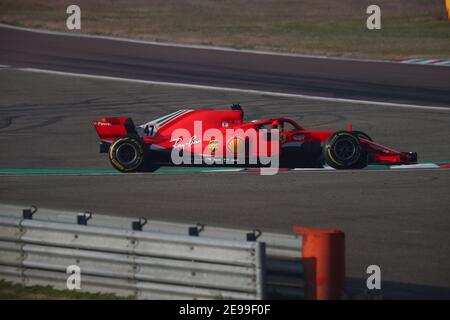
109 129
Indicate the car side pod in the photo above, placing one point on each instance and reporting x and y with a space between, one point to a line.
323 255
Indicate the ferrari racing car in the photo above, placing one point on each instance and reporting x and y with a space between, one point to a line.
148 146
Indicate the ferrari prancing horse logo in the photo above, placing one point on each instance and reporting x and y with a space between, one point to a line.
236 145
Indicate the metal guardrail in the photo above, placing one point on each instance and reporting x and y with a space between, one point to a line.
163 261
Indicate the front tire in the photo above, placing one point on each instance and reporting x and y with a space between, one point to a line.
343 150
128 155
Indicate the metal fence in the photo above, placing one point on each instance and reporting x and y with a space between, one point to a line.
158 260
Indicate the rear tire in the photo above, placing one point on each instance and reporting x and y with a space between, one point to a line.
129 155
344 151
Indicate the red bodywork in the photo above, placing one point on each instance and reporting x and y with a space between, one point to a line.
157 135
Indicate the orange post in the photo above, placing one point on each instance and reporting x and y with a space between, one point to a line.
447 6
323 255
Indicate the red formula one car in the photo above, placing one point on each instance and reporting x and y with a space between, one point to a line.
148 146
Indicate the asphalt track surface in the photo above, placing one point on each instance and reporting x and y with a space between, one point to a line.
392 82
397 219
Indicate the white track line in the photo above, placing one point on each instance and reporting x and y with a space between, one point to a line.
445 63
416 166
314 169
327 168
223 170
247 91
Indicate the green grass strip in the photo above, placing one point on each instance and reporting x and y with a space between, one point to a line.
37 171
31 171
54 171
9 290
